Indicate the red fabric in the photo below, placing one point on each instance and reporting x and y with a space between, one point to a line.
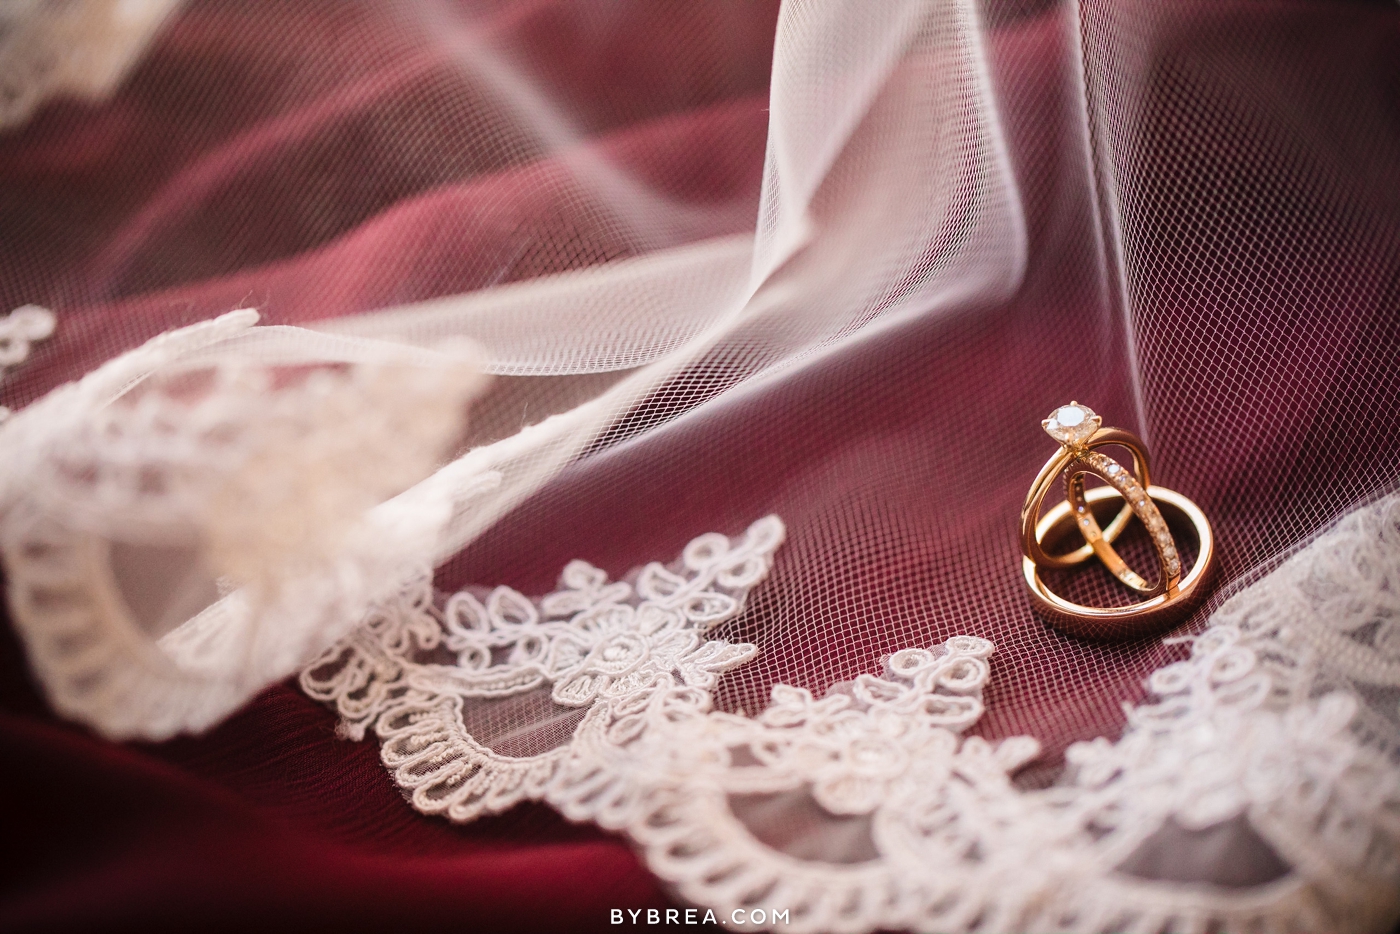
270 823
159 209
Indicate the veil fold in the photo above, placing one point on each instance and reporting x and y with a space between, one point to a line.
542 281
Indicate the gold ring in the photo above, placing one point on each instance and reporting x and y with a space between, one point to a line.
1111 472
1087 434
1079 431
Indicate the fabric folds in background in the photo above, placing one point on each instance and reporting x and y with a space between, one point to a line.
841 282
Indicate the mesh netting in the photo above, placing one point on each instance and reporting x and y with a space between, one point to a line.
847 295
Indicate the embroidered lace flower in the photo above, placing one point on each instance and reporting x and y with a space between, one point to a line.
1253 794
79 47
537 675
186 524
19 330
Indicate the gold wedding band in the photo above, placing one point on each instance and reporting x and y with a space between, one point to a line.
1079 432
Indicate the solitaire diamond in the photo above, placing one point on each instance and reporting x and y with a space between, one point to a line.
1072 425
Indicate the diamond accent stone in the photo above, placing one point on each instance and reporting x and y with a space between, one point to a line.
1119 476
1072 425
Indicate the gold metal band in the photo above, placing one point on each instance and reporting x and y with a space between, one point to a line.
1134 620
1112 473
1080 432
1030 545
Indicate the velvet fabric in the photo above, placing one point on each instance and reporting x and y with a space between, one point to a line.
340 173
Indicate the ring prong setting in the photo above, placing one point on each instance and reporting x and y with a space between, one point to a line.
1072 425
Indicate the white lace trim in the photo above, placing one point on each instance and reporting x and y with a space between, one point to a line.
612 652
82 48
189 522
1256 793
19 331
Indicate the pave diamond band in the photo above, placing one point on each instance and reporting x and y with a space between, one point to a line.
1080 433
1109 470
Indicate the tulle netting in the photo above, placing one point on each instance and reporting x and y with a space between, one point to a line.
833 262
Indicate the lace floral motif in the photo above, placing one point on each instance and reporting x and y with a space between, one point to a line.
184 524
78 47
850 748
595 652
1249 795
1330 620
19 330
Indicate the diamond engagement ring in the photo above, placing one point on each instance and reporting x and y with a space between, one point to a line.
1080 433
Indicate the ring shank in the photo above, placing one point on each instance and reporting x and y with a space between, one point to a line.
1138 619
1031 547
1111 472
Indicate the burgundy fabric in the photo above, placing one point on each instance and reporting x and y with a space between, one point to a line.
198 190
271 823
159 209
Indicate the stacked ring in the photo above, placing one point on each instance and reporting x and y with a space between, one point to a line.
1079 432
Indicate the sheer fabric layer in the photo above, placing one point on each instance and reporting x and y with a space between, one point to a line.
1264 768
846 296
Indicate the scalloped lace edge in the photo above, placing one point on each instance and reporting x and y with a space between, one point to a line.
1261 732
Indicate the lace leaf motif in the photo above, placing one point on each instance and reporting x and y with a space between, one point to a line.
1253 794
82 48
595 653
